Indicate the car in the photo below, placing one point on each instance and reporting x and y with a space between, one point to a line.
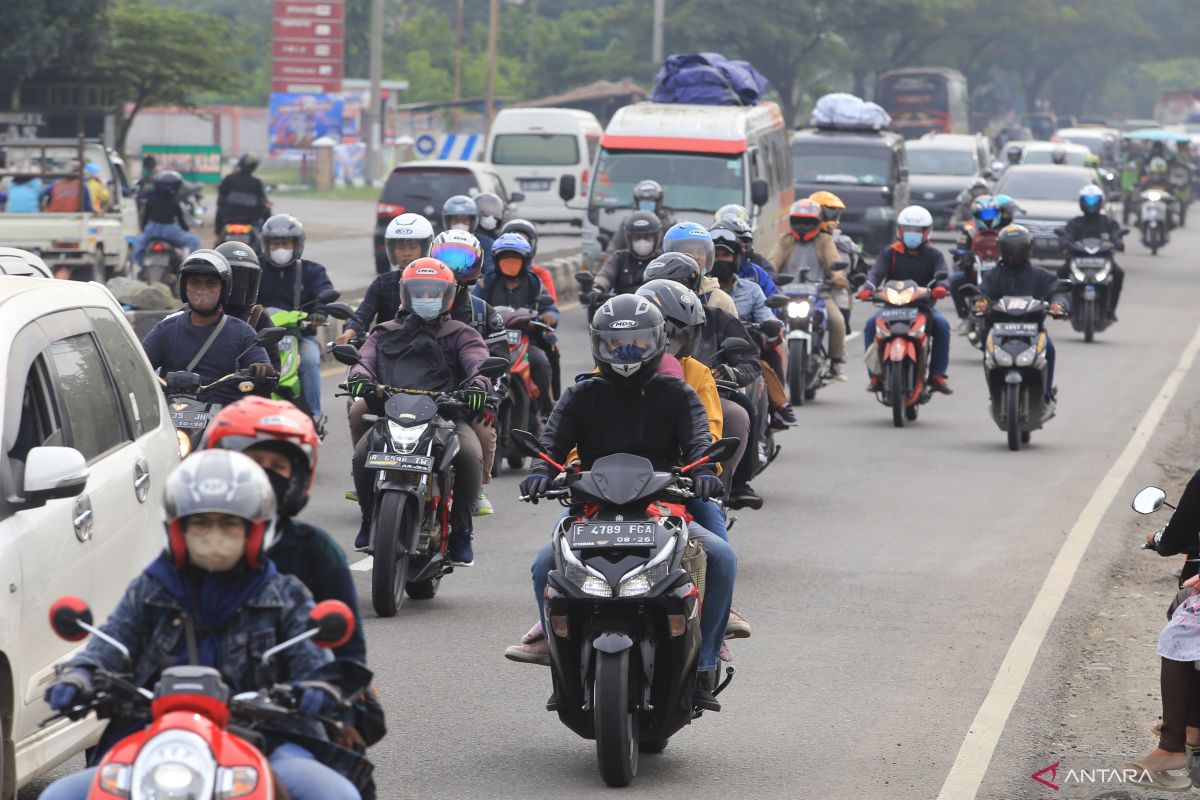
1047 196
1043 153
14 261
88 443
941 167
1101 141
422 187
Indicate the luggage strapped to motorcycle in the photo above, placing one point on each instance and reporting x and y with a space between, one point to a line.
212 337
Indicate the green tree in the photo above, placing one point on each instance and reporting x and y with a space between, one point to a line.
48 35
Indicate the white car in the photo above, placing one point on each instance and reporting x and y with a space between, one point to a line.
87 445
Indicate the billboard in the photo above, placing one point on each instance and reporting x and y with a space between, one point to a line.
307 50
297 120
198 163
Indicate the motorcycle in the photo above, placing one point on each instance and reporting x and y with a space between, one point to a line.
808 365
297 323
191 198
902 347
247 233
517 408
622 613
411 448
1090 267
1153 219
200 743
160 263
756 391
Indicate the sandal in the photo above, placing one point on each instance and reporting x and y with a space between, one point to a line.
1163 780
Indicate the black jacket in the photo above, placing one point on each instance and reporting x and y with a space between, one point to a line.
479 314
242 199
895 263
719 326
663 421
1182 533
1094 226
1026 281
622 271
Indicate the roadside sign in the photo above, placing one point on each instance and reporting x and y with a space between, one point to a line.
198 163
308 47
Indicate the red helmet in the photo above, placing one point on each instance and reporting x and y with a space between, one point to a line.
805 219
424 281
273 425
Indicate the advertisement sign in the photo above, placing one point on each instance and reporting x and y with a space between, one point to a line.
297 120
197 163
308 47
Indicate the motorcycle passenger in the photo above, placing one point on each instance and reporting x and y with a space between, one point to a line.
911 258
622 270
215 576
527 229
223 343
491 216
746 268
407 238
695 242
733 211
978 238
459 213
647 196
163 217
1014 275
424 349
629 408
241 197
295 282
243 292
967 198
1093 223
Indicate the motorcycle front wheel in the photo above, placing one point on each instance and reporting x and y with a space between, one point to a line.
895 385
1089 321
389 572
616 720
1012 407
797 373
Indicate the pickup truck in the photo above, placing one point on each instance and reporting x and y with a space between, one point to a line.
92 243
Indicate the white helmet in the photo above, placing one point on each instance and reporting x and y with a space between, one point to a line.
407 227
914 217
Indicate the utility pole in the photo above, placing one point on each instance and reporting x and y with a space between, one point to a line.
493 24
375 99
656 48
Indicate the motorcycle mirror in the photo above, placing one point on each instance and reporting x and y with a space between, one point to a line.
721 449
270 336
1147 501
327 296
777 301
1124 231
968 290
65 615
940 276
585 279
334 623
784 280
346 354
858 280
527 443
494 367
339 311
734 345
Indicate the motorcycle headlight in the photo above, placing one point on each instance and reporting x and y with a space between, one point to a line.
1101 275
185 443
173 766
644 581
799 309
587 583
1003 357
1078 274
405 438
1024 359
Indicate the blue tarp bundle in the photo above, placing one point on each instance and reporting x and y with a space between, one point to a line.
708 79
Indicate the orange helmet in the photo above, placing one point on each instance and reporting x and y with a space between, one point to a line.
831 209
427 288
805 219
273 425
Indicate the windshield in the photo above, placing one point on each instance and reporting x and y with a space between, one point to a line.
940 162
1041 185
689 181
827 163
422 187
536 149
1093 143
1041 156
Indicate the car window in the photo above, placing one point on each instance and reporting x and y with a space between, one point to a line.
821 162
137 388
922 161
417 188
39 425
94 421
1042 185
535 149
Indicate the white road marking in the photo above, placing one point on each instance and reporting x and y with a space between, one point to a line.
978 747
363 565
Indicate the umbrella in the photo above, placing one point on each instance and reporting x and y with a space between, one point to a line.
1158 135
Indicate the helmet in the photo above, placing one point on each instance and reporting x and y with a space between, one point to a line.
1091 160
206 262
1016 244
167 182
248 163
271 425
642 224
92 168
732 211
525 228
407 227
691 239
831 209
508 248
283 227
222 482
247 272
676 267
805 219
491 211
427 279
647 196
1091 198
460 251
985 212
1013 153
683 314
1008 209
914 217
978 188
725 236
1059 155
1157 166
460 206
629 338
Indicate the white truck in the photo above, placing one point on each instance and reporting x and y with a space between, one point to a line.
92 239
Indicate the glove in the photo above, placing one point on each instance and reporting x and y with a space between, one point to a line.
771 327
724 372
314 700
475 399
707 486
535 486
317 317
864 294
361 387
261 371
72 687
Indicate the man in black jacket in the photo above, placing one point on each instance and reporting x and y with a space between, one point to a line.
1093 223
622 270
241 197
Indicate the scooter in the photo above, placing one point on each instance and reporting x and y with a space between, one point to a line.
1090 270
1153 219
248 234
902 347
296 323
517 408
808 365
622 613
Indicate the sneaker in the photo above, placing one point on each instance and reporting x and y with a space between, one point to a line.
1112 316
737 627
537 652
482 506
352 496
835 370
788 414
726 653
460 551
744 497
778 422
938 384
363 540
703 697
875 385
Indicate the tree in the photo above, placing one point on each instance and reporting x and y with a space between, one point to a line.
47 35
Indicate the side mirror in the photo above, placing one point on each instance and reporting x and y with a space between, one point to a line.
987 174
53 473
334 623
1149 500
566 188
269 336
340 311
494 367
858 279
902 174
1124 231
585 279
735 345
516 197
722 449
328 296
941 276
777 301
760 192
65 615
346 354
784 280
968 290
526 442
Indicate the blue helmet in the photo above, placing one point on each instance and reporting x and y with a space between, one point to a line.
508 246
985 211
690 239
1091 198
1008 209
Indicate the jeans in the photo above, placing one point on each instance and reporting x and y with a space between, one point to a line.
958 279
718 590
162 230
708 515
297 769
748 462
310 373
939 361
737 425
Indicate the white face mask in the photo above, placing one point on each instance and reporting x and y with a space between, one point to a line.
281 256
215 551
642 247
487 223
460 226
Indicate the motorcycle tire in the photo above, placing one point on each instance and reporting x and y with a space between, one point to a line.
389 573
1089 322
616 720
503 431
520 410
1012 407
797 374
895 386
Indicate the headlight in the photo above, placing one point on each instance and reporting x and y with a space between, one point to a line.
588 584
799 309
175 764
1102 275
406 438
185 442
1024 359
1078 274
644 581
1003 357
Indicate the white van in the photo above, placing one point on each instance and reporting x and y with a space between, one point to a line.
531 148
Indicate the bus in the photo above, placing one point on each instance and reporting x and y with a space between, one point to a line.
924 99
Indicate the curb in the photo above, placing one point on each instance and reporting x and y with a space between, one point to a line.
562 272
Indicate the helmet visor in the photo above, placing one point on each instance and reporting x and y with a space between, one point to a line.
681 339
699 249
460 257
629 347
244 291
425 288
988 214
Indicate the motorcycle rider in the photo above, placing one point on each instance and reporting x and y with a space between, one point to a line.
224 343
214 575
622 270
491 216
459 213
163 217
629 408
694 241
296 282
424 349
747 269
911 258
1093 223
967 198
733 211
243 292
407 238
1058 155
527 229
647 196
978 239
241 197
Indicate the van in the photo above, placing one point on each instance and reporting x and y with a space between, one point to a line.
704 157
530 148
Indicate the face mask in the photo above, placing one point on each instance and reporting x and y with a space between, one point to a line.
199 301
427 308
913 239
646 205
722 270
510 266
460 226
214 551
642 247
279 484
281 256
488 223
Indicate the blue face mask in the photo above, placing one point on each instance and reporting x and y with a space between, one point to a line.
913 239
427 307
646 205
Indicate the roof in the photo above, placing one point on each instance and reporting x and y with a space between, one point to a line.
1067 146
433 163
1087 173
664 126
598 90
944 142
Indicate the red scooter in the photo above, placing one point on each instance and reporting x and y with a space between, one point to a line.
902 345
518 405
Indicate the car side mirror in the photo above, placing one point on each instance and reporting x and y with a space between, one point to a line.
54 473
760 192
566 188
494 367
270 336
516 197
346 354
1149 500
526 442
334 623
340 311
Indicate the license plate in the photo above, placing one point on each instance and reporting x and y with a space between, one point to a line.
1016 328
514 337
898 314
402 463
613 534
535 185
1091 263
189 419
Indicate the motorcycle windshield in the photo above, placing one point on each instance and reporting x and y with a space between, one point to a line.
1019 306
622 479
410 409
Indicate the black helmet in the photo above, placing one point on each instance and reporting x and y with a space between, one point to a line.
460 206
629 338
168 181
1013 152
246 273
642 223
525 228
1059 155
682 311
725 236
248 163
678 267
491 212
206 262
647 195
283 226
1016 245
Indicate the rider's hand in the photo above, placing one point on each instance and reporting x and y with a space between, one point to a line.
535 486
474 399
1056 310
549 320
840 280
345 336
317 317
864 294
71 688
724 372
981 304
707 486
362 387
315 699
261 371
